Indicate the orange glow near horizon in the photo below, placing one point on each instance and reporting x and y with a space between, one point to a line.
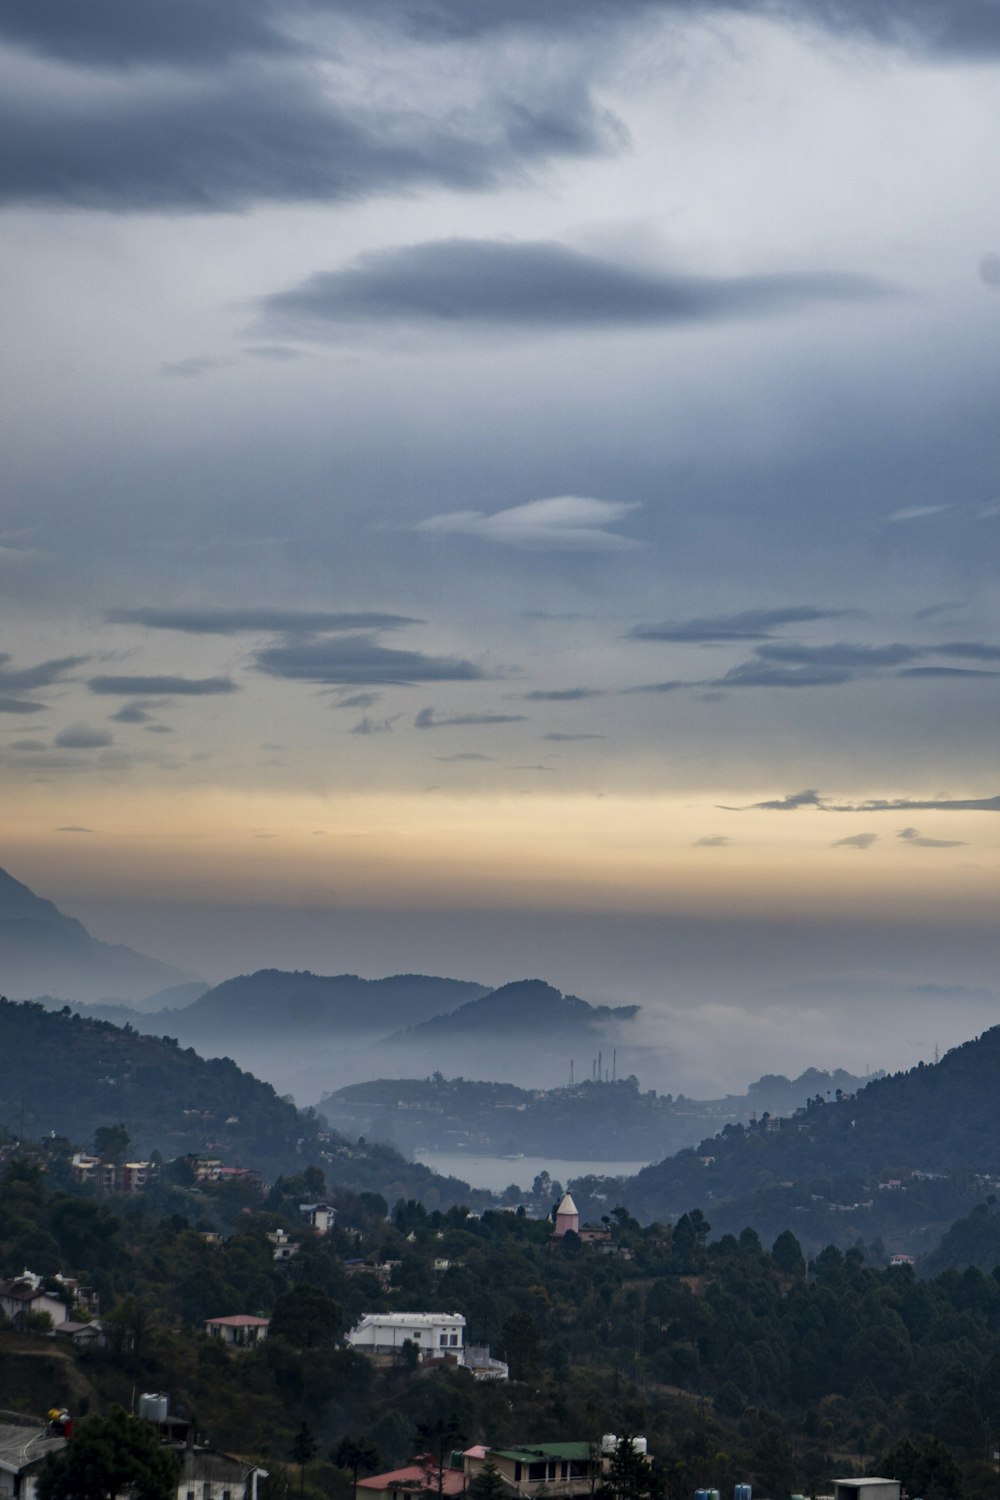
436 850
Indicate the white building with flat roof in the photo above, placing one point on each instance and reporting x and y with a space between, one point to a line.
866 1489
433 1334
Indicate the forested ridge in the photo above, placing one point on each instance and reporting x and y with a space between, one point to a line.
66 1074
827 1169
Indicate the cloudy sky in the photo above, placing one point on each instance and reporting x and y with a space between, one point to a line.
495 487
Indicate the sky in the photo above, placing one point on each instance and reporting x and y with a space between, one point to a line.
503 488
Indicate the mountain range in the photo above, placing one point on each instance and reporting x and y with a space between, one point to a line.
43 951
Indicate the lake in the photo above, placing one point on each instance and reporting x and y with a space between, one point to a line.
498 1172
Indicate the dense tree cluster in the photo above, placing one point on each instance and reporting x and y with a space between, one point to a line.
737 1362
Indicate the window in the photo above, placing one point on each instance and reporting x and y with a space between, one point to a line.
443 1341
454 1340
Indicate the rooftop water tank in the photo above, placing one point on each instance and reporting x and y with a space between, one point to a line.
153 1406
609 1444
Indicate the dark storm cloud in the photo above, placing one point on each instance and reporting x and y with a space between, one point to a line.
856 841
569 739
223 141
562 695
264 621
958 27
120 32
748 625
82 737
144 687
541 284
425 720
715 841
200 32
362 661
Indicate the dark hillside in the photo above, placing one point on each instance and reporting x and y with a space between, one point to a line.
904 1151
67 1074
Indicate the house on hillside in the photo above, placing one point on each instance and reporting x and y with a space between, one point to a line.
240 1331
24 1295
319 1216
433 1334
559 1470
207 1474
81 1336
24 1446
866 1489
422 1477
112 1177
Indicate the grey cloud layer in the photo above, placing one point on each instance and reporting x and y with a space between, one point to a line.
749 625
15 681
425 720
540 283
82 737
231 138
119 32
264 621
231 109
145 687
362 661
42 675
793 665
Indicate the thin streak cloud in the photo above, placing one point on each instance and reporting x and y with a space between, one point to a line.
563 523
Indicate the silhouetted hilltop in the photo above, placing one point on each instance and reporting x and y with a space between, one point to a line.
43 951
525 1007
273 1002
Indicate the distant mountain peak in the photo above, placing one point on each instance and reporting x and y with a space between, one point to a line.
42 951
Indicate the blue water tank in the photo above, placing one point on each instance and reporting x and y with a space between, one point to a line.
743 1492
